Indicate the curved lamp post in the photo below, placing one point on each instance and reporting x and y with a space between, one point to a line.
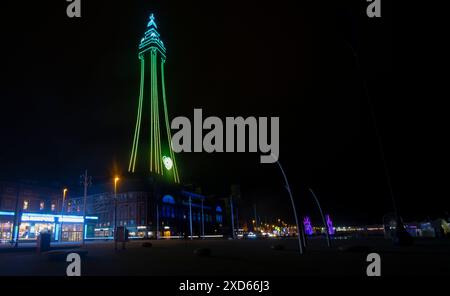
300 245
323 218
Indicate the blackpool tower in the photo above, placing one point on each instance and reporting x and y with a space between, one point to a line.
154 147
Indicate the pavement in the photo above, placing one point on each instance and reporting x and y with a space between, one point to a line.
250 257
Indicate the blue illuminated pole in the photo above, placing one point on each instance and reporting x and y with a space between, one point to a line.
323 218
300 245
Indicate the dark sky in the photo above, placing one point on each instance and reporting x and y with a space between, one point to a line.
69 97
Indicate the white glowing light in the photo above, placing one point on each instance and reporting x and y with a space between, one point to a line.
168 163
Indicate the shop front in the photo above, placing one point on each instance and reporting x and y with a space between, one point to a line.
72 232
31 230
69 227
136 232
6 231
139 232
103 233
6 226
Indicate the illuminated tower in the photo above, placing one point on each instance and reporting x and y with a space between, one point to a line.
152 100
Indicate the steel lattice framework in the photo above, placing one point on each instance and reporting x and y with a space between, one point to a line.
152 55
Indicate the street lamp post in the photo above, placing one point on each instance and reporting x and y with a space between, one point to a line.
300 245
323 218
203 222
190 215
86 181
157 221
256 218
237 218
401 236
62 213
116 180
232 218
16 226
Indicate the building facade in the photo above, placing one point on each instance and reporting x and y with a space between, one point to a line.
147 207
151 209
27 209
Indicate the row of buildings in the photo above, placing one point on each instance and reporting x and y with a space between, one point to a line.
146 207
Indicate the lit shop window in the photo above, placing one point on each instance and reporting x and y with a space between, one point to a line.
53 207
41 205
26 203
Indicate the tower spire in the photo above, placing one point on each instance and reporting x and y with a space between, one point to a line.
152 22
151 38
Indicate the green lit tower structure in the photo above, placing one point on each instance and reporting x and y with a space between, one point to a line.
152 100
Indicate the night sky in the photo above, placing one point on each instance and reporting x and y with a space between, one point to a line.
69 92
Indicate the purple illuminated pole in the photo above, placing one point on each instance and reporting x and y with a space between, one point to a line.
329 224
308 227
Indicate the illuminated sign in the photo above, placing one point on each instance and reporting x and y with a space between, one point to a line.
38 218
30 217
71 219
168 163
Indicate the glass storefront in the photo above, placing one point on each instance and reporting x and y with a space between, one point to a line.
72 232
103 232
65 228
6 228
137 232
32 224
31 230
